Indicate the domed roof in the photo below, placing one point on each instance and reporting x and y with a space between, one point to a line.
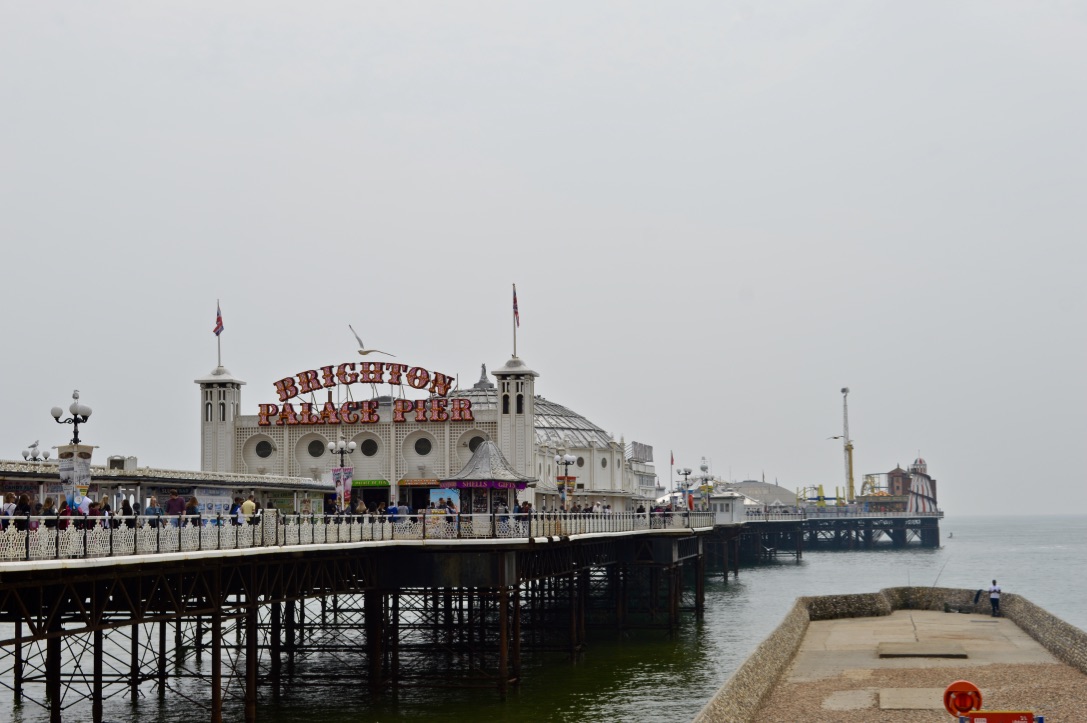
919 461
555 424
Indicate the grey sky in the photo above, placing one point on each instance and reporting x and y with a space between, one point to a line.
716 214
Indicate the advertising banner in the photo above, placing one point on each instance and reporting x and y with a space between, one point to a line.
341 478
74 461
214 500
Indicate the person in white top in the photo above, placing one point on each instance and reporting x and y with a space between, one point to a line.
994 598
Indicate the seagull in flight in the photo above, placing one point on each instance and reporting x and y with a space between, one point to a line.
362 347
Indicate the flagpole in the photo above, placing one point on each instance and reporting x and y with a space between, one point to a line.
515 320
671 475
219 337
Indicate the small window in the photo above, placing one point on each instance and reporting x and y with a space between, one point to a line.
368 447
505 404
520 403
207 412
580 461
264 449
422 446
603 462
222 411
474 443
316 448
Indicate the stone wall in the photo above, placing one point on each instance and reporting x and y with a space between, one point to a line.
740 698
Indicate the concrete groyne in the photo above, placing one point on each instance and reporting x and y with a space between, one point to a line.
739 699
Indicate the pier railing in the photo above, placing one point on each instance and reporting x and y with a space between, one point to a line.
835 514
52 537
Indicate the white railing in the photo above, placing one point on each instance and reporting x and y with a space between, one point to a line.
831 513
66 537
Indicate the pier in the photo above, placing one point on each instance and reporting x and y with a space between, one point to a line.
100 611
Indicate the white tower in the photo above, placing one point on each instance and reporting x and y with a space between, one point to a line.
220 405
517 414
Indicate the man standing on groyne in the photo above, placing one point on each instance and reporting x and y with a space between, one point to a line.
994 598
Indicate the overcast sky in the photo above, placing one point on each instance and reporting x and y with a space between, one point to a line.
716 214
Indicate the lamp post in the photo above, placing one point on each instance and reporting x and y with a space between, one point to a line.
342 448
80 414
31 454
564 459
706 480
684 472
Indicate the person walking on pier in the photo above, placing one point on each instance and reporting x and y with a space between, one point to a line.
994 598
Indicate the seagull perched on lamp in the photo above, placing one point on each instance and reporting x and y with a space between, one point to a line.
362 347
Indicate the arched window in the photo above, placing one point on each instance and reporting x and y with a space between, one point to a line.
207 412
222 411
520 403
505 404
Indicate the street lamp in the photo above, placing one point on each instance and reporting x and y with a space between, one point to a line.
31 454
80 414
565 460
341 448
684 472
707 481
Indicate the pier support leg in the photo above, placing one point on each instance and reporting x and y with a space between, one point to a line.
275 644
503 640
162 659
251 632
374 625
52 671
96 677
134 665
700 586
17 666
217 660
516 654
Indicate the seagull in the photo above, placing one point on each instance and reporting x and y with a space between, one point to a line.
34 443
75 394
362 347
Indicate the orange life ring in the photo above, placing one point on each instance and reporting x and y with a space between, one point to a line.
961 697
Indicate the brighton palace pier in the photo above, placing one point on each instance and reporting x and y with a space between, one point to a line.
155 608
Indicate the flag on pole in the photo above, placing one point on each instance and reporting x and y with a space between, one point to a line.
673 462
218 320
516 315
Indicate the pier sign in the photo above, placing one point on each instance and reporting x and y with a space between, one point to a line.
436 409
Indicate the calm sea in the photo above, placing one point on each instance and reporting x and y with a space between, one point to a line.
655 678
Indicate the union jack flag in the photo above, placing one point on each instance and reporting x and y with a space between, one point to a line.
218 320
516 315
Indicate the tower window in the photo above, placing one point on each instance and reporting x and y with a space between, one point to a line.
316 448
207 412
368 447
603 462
222 411
505 404
520 403
422 446
264 449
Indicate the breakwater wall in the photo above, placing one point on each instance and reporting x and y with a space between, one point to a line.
739 699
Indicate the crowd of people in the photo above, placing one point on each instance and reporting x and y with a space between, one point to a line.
20 511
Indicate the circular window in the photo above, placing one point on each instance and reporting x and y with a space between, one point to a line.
603 461
580 461
422 446
316 448
264 448
474 443
368 447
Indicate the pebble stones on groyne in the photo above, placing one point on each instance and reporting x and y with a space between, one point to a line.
739 699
